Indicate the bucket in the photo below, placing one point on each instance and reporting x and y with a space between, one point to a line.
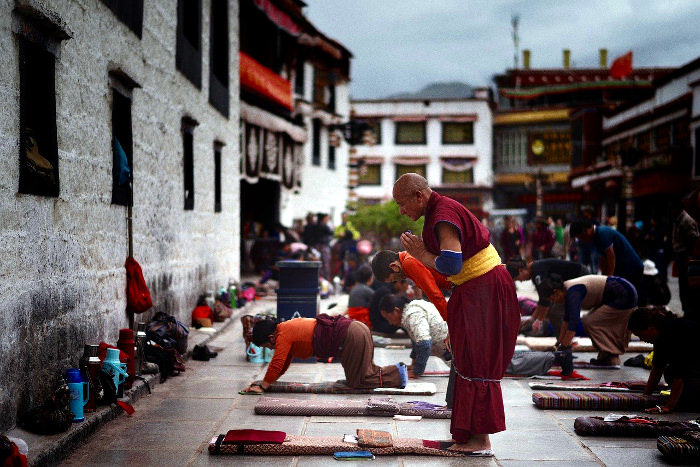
255 354
268 354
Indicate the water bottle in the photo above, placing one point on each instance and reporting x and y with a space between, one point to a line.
127 345
234 294
79 393
140 349
115 368
90 365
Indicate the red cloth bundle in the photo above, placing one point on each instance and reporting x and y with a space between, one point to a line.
249 436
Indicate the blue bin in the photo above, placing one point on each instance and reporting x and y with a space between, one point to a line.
298 289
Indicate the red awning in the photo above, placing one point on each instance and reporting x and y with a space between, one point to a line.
264 82
410 160
279 17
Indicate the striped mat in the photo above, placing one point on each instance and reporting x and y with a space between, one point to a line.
683 448
338 387
594 400
296 445
378 407
596 426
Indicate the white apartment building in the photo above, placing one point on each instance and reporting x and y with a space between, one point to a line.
448 141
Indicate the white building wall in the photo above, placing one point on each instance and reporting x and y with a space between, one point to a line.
389 111
323 189
63 277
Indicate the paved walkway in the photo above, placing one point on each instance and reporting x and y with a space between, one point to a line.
173 425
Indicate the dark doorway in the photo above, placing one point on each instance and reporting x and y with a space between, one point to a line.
259 213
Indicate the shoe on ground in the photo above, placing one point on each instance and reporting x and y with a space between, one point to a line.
565 359
200 353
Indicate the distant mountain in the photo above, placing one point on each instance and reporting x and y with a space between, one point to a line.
453 90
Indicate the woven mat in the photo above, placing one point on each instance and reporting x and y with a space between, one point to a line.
600 387
596 426
583 344
679 448
385 407
337 387
580 400
296 445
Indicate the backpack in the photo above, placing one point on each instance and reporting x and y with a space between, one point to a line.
138 298
168 331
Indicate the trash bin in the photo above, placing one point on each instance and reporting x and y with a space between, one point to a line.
297 294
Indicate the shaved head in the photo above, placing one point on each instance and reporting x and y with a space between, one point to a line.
410 183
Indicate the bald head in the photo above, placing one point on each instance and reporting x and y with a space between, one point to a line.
410 183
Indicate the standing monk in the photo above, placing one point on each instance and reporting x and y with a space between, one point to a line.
483 316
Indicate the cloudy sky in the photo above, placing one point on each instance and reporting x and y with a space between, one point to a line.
403 45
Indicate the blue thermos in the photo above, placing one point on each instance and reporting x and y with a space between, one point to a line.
79 393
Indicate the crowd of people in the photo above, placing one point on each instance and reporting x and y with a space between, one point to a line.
453 292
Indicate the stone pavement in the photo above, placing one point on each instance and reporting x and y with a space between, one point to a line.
173 425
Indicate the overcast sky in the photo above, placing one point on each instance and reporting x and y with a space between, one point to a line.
403 45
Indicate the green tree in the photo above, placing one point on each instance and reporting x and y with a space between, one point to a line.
381 222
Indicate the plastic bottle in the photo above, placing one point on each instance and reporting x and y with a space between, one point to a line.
234 295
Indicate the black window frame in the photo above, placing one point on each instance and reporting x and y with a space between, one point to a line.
219 57
316 142
218 148
331 157
188 127
122 132
129 12
38 134
188 47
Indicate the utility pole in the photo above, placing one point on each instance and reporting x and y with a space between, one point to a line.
515 20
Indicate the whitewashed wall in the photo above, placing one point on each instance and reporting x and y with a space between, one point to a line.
62 274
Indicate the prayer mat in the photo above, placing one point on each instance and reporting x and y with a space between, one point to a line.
634 426
392 342
378 407
685 448
296 445
579 400
436 373
337 387
581 344
612 386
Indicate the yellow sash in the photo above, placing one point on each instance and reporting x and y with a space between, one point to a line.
477 265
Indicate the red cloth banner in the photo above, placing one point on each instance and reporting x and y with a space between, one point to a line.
622 66
264 82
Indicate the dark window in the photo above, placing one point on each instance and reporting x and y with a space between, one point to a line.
188 126
122 149
188 53
375 127
38 168
369 174
129 12
410 133
316 142
218 73
457 132
217 176
331 157
402 169
460 177
331 98
299 75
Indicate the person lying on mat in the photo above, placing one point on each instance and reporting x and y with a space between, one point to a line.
610 300
390 266
676 356
325 337
425 326
429 332
536 271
